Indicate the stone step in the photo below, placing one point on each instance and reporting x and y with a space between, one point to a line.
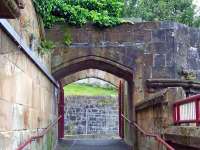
113 144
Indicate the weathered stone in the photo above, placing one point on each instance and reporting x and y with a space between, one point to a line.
187 136
24 110
91 115
154 114
6 116
91 73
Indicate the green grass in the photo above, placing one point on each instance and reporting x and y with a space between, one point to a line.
88 90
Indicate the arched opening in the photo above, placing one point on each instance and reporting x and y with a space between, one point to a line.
120 71
91 110
88 62
92 73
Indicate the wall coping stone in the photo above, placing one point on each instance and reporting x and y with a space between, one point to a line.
183 135
190 86
154 99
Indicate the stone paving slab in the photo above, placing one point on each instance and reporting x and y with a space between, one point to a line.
116 144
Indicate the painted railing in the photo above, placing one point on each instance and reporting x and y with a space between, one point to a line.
38 136
187 110
156 137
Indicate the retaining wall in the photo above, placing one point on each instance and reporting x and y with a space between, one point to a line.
91 115
27 96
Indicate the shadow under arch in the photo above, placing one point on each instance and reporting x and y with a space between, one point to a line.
92 73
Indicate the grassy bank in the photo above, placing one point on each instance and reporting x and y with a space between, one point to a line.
88 90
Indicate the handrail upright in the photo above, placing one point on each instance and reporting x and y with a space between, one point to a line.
158 138
40 135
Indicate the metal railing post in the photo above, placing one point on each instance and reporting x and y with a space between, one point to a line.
38 136
156 137
178 114
175 114
197 112
120 110
190 109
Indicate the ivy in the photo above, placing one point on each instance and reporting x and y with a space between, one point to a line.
46 47
44 8
103 13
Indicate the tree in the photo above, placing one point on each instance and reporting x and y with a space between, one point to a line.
182 11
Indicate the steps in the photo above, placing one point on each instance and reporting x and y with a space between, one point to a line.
115 144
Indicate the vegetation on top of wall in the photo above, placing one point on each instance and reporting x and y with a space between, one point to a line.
106 13
67 38
187 75
106 102
103 13
46 47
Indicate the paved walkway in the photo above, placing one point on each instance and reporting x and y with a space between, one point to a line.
115 144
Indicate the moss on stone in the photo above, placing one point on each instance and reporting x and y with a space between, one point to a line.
106 102
50 140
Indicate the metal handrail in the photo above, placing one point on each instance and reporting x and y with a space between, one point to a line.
28 141
158 138
187 100
176 110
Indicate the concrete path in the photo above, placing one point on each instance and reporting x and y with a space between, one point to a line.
116 144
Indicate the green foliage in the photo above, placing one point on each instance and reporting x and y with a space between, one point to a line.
46 47
44 8
187 75
106 102
182 11
103 13
67 39
89 90
50 139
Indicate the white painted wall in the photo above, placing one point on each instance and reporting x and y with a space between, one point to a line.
197 3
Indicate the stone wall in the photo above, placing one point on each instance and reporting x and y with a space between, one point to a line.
188 49
148 50
27 97
183 137
91 115
155 115
30 28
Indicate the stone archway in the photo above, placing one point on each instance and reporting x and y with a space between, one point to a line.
133 52
113 68
107 77
121 60
92 73
91 62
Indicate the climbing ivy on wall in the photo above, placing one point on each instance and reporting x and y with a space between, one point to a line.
44 8
103 13
46 47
